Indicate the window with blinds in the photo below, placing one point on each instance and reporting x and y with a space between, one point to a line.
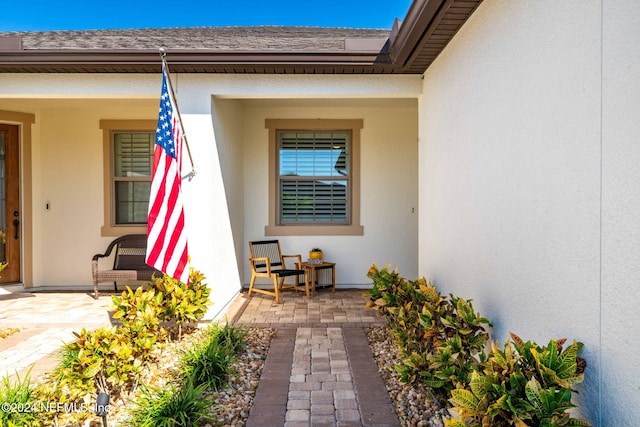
314 177
132 162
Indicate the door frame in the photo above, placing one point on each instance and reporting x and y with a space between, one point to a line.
12 231
24 121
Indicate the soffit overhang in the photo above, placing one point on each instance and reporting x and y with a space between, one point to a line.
194 61
426 30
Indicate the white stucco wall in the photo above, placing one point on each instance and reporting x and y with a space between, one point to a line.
211 244
529 178
227 118
620 213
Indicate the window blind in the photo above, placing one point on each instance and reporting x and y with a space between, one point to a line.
314 177
133 157
133 154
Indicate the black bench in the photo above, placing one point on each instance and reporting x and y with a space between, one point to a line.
128 263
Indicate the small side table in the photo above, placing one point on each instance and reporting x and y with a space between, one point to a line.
314 273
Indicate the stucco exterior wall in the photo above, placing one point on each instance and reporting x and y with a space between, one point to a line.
224 122
207 218
388 184
529 182
620 272
228 120
67 162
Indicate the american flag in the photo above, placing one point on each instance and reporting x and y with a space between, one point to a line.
167 240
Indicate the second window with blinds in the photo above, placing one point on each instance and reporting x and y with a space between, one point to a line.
314 177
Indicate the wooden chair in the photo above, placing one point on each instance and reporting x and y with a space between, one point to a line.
267 261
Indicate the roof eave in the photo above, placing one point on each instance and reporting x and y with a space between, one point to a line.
412 47
141 61
426 30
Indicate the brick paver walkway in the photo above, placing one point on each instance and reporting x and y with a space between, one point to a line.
320 370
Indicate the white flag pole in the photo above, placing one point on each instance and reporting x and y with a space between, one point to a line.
163 55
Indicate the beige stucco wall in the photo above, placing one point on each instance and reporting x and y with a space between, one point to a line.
67 165
388 182
529 182
224 122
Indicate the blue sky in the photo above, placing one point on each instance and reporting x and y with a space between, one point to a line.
47 15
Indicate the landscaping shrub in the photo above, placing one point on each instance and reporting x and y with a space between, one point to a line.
203 367
442 342
230 335
521 385
180 302
105 358
208 363
110 359
441 339
18 403
173 406
142 305
139 314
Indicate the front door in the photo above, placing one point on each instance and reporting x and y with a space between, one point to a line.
10 227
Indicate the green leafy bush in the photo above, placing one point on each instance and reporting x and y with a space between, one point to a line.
521 385
142 305
173 406
17 400
139 314
180 302
110 359
162 301
441 339
105 358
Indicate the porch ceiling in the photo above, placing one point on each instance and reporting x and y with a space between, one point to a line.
409 48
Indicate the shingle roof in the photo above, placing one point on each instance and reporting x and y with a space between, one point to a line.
408 48
260 38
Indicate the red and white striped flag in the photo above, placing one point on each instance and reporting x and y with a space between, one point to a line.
167 240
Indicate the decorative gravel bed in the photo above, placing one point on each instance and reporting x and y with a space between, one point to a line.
230 405
414 403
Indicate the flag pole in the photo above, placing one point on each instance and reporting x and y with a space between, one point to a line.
163 55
